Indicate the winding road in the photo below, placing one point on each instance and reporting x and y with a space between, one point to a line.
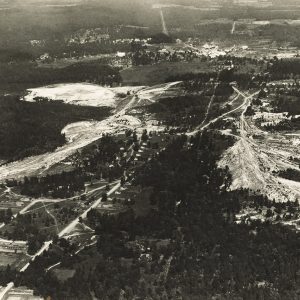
116 186
65 231
244 105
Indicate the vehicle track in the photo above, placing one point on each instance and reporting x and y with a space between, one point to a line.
252 162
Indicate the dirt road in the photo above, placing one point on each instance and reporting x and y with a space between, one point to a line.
47 244
81 134
254 162
163 23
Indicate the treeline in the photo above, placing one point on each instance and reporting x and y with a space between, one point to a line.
38 226
183 111
15 56
62 185
194 81
285 125
28 227
287 104
28 75
290 174
33 128
161 38
189 110
285 68
199 77
258 201
96 161
103 159
204 253
5 215
66 49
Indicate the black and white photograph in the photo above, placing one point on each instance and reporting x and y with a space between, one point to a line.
149 149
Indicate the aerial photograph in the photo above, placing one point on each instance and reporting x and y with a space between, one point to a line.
150 149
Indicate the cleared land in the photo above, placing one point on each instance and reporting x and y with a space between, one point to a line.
81 134
258 156
83 94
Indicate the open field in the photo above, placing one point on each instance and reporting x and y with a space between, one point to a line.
11 200
258 156
81 134
8 259
83 94
154 74
63 274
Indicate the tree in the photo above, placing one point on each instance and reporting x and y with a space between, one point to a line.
136 147
122 181
269 213
250 111
9 213
144 137
134 137
104 197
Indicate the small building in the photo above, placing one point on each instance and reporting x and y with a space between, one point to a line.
121 54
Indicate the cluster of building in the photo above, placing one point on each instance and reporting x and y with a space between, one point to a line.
21 293
8 246
88 36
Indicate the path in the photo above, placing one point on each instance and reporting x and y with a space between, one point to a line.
163 23
85 133
233 27
66 230
254 162
243 105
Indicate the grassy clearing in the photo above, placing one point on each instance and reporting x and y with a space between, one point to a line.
64 274
15 260
8 259
154 74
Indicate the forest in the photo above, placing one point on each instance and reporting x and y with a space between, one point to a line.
63 185
192 247
24 75
184 111
288 104
285 68
91 163
290 174
28 129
